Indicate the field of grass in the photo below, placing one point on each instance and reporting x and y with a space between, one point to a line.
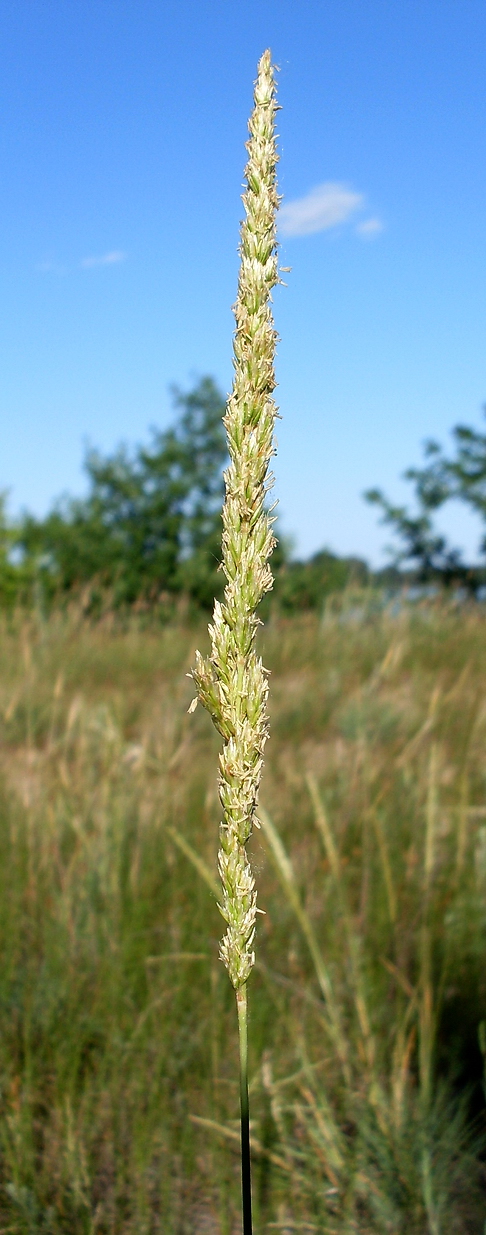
118 1050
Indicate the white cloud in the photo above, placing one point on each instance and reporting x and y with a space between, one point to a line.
107 259
369 228
325 206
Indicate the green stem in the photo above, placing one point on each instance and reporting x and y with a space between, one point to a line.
241 1004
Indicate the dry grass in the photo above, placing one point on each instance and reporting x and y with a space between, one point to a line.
117 1045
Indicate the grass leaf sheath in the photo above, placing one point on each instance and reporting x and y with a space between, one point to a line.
231 682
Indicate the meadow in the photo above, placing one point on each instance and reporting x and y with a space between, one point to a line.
118 1047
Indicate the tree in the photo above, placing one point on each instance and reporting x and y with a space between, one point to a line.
462 477
305 585
12 578
151 521
425 551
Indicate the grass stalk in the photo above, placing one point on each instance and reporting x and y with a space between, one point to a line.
242 1009
232 683
286 874
427 1014
352 940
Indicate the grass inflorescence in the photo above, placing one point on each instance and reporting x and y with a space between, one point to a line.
231 682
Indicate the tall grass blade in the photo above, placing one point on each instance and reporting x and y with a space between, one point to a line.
287 878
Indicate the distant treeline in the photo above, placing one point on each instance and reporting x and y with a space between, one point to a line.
148 533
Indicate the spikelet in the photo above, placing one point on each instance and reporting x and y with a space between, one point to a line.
232 683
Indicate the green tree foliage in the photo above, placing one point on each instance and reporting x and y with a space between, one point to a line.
461 477
304 585
421 549
11 575
150 524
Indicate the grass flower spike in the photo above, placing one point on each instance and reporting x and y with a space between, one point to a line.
232 683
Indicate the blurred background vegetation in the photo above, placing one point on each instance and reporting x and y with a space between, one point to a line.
147 534
118 1098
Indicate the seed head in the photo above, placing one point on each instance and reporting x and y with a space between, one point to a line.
231 682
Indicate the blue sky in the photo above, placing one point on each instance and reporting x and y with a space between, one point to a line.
123 123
